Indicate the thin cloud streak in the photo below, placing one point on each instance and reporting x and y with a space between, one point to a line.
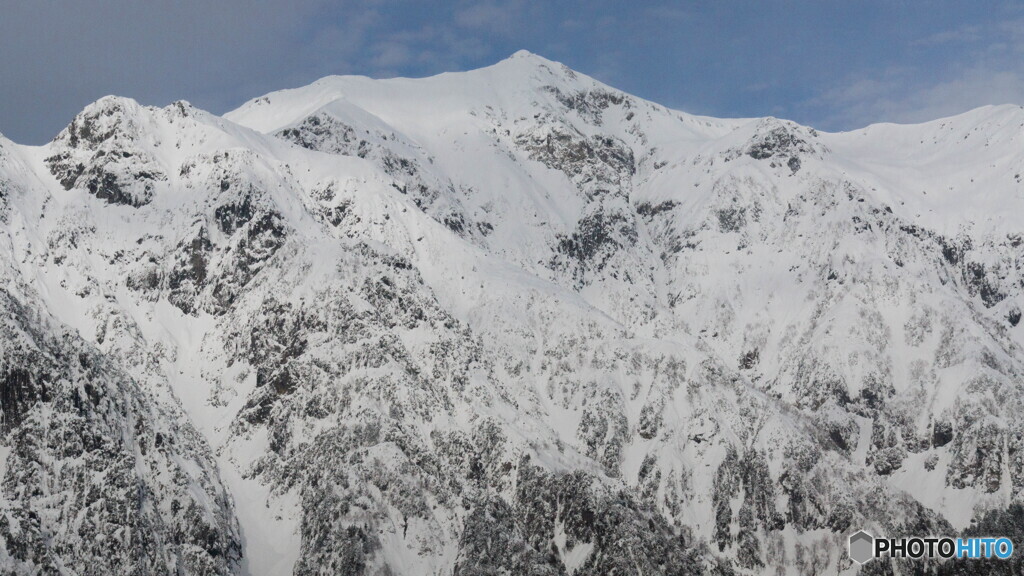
987 73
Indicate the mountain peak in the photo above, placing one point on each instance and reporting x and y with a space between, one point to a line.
525 54
101 120
529 60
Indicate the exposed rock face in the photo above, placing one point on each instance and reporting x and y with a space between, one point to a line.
511 321
100 152
364 136
98 477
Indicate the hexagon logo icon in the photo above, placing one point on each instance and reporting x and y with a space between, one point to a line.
862 547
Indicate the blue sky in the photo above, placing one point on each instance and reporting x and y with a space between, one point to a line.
833 65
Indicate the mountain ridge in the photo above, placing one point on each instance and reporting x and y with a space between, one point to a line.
455 326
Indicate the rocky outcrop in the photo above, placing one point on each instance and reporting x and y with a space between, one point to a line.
99 152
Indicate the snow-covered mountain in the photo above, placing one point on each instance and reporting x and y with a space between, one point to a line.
507 321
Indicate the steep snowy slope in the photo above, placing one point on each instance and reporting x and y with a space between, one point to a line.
504 321
98 475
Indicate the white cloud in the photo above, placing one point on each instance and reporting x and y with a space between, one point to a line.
436 47
494 17
964 34
989 70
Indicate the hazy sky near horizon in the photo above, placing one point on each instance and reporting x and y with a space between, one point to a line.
830 64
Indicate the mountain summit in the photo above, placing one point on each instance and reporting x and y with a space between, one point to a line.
505 321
